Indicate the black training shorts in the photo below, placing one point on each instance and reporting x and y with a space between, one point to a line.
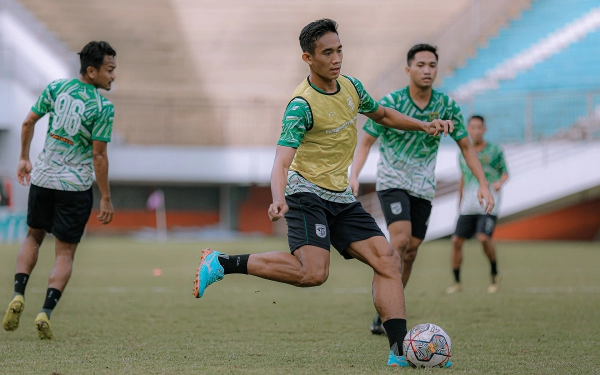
62 213
318 222
468 225
398 205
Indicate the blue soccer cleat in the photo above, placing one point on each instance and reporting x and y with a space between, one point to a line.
209 271
448 364
397 360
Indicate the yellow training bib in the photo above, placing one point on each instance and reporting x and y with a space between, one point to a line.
327 149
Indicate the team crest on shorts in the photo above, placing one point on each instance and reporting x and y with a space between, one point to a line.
321 230
396 208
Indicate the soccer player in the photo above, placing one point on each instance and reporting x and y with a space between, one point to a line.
406 169
60 194
473 219
309 183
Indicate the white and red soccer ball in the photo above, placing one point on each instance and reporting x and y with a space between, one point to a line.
427 345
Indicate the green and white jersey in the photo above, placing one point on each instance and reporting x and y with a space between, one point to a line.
78 116
407 158
322 127
494 166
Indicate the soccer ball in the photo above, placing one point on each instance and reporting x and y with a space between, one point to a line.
427 345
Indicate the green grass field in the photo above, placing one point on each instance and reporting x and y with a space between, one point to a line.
117 318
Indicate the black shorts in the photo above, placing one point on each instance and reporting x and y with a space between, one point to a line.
318 222
468 225
398 205
62 213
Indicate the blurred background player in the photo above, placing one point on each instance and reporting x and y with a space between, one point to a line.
473 219
60 194
406 168
309 184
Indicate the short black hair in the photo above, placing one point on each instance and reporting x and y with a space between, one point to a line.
477 117
314 31
93 55
410 56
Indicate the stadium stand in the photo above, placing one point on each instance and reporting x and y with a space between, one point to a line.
527 80
220 73
177 86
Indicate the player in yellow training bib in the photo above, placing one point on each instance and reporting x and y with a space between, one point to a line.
309 183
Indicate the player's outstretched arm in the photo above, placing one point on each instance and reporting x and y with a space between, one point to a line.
360 157
393 119
100 157
472 160
24 167
283 159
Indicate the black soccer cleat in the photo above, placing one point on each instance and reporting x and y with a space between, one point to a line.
377 326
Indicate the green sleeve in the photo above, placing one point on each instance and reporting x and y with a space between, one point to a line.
367 104
502 163
297 119
102 130
371 127
44 102
460 131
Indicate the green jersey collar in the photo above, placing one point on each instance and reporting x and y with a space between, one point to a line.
433 92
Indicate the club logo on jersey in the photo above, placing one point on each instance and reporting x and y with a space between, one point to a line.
321 230
396 208
434 116
350 103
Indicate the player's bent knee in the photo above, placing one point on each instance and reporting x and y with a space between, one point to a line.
310 279
400 243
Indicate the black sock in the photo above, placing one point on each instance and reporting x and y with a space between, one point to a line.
396 330
457 275
21 283
52 297
234 263
494 269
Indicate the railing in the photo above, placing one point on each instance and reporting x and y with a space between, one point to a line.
529 117
182 122
510 118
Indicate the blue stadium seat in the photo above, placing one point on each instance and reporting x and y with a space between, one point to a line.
534 24
557 89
